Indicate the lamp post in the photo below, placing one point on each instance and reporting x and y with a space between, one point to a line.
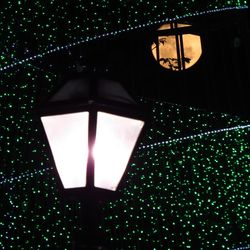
92 126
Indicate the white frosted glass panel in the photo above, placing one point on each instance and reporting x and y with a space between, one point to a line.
68 138
115 139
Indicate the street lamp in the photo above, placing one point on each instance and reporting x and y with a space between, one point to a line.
92 126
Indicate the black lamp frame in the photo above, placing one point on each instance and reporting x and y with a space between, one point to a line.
93 106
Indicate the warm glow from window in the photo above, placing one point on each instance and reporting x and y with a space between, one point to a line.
189 48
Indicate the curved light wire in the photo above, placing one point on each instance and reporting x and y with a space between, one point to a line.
24 175
149 146
114 33
200 135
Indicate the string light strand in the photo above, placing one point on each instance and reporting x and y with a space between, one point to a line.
114 33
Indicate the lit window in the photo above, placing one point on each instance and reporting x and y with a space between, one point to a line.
176 48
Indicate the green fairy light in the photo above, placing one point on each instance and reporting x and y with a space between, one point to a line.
187 189
45 28
196 206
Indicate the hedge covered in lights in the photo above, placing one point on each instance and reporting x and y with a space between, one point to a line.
187 184
186 188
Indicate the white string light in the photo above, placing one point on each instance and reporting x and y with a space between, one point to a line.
114 33
194 136
241 248
26 175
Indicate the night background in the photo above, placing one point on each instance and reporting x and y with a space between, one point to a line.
187 185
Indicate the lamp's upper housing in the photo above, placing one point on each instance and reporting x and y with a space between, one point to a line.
92 125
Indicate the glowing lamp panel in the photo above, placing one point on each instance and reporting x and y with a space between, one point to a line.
68 138
116 137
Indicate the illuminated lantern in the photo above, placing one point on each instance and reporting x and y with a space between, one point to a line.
92 126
